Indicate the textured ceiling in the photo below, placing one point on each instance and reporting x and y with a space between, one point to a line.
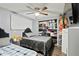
54 8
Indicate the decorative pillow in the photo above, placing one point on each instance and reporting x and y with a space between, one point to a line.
4 41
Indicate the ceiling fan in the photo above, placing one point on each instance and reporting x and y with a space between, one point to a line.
38 10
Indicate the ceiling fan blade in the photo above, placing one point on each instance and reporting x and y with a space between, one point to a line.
34 10
43 13
44 8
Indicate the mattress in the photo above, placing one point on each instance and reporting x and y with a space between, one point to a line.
15 50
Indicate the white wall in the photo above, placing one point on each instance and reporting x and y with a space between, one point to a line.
69 13
19 23
5 23
35 27
5 20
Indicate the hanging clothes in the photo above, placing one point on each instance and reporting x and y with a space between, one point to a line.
63 23
60 24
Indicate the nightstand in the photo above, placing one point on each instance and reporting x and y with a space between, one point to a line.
15 42
15 39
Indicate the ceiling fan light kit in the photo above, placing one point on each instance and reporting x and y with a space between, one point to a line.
37 14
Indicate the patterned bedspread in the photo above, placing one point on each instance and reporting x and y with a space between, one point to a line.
38 43
14 50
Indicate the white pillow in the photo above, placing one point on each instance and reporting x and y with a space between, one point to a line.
4 41
29 34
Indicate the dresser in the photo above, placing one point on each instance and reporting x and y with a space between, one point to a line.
70 41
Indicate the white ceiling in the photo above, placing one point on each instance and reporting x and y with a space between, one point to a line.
67 7
54 8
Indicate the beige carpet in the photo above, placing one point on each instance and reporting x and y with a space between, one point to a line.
57 51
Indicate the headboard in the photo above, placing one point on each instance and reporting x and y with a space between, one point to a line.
27 30
3 33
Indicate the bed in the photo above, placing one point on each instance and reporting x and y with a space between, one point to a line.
15 50
38 43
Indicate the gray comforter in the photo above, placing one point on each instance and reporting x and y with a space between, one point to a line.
38 43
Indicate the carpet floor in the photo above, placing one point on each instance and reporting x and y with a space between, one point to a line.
56 52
